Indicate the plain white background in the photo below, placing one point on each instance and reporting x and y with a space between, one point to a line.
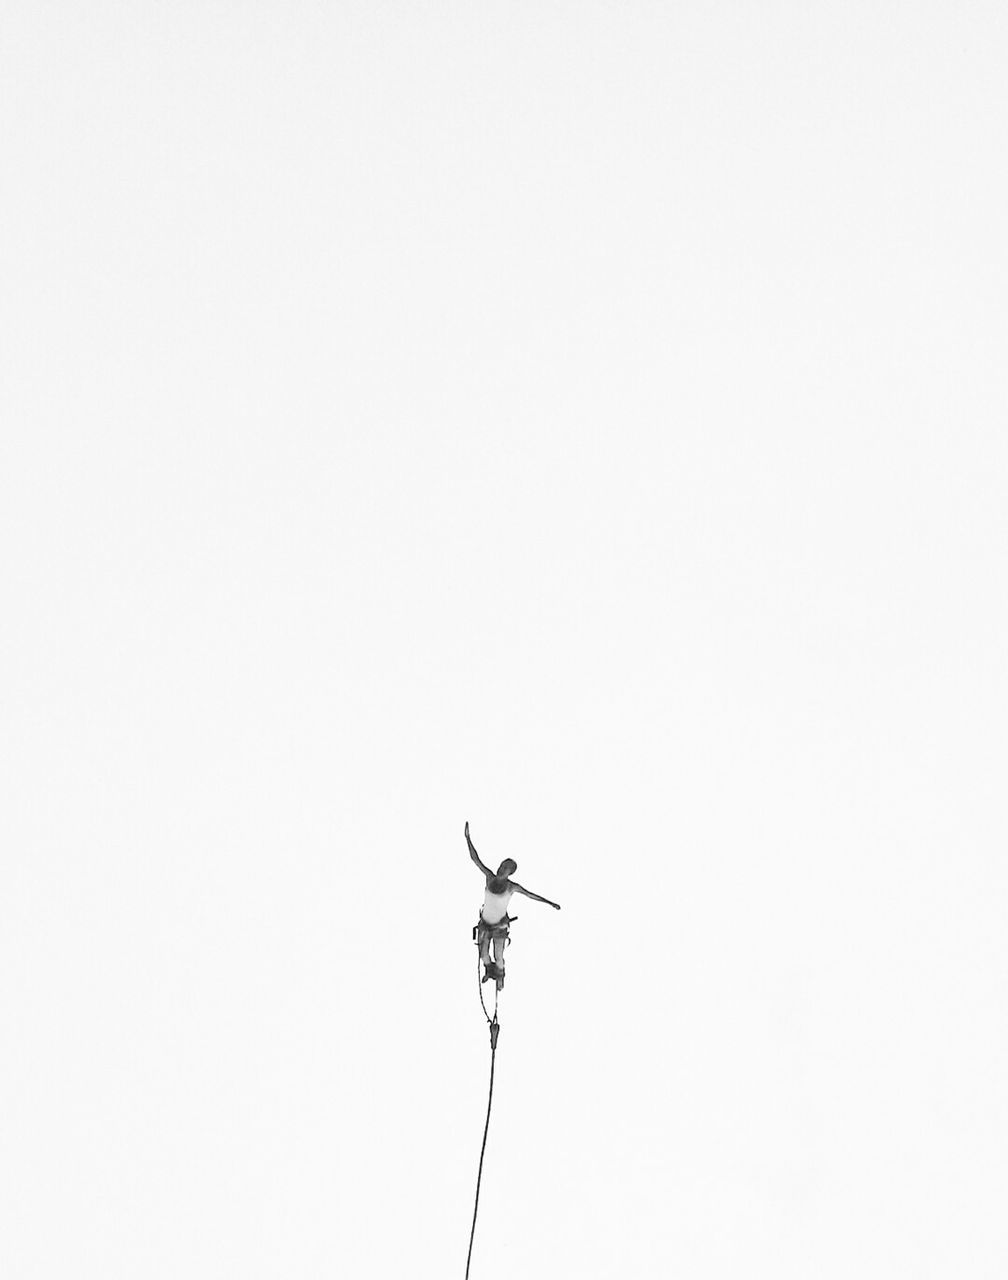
587 420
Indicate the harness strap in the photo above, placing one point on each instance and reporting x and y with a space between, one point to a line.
499 929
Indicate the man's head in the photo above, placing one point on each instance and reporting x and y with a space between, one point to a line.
507 868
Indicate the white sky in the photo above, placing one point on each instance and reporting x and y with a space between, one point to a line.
587 420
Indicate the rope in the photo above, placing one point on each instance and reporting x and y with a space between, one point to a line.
479 980
486 1128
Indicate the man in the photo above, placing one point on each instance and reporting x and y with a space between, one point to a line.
494 919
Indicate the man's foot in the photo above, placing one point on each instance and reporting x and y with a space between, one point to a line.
493 973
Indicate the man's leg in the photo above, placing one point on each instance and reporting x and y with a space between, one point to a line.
499 953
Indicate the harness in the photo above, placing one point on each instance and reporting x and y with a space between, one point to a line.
484 929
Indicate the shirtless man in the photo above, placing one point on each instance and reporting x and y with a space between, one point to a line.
493 921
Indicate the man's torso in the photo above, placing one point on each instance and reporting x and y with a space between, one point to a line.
495 905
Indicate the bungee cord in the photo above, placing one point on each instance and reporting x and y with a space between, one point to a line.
496 994
494 1032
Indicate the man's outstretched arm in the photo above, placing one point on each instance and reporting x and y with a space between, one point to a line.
529 894
475 856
